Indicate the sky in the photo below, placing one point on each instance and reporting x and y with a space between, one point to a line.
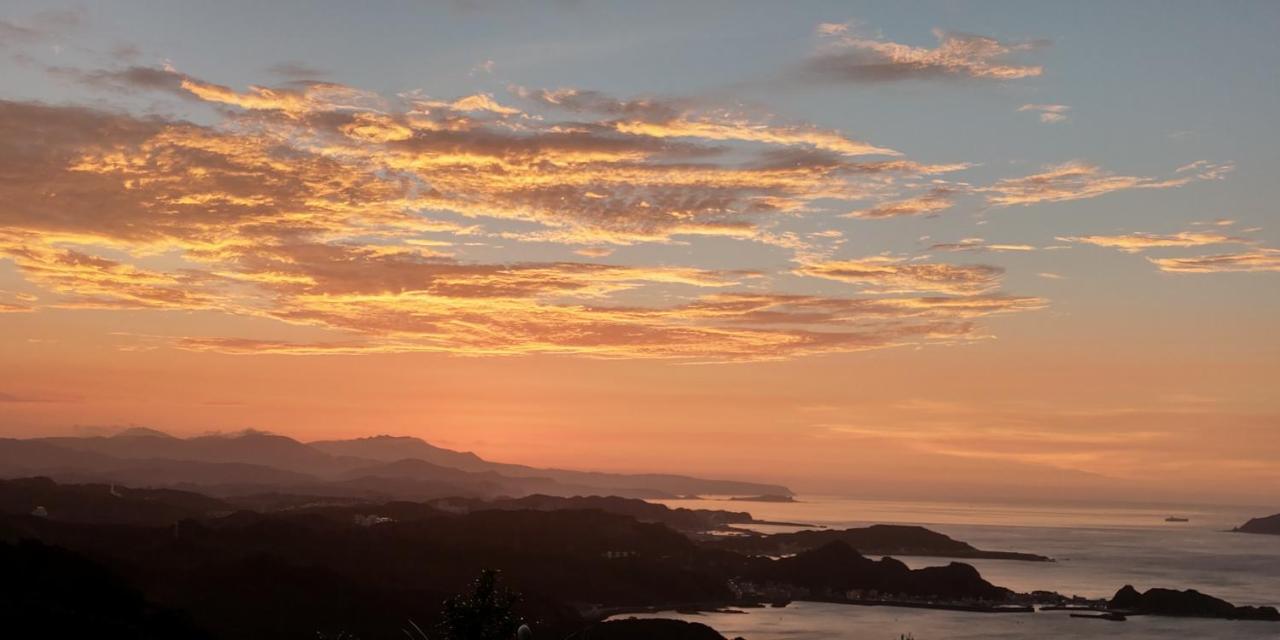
902 249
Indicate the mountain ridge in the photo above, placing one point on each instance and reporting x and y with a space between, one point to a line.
389 466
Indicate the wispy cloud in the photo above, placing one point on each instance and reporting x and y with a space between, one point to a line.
1080 180
1135 242
980 245
1049 113
1244 261
888 274
323 205
935 201
847 56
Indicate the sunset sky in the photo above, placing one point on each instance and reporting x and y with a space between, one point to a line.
880 249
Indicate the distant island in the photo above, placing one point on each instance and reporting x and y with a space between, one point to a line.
1188 603
880 540
1268 525
768 497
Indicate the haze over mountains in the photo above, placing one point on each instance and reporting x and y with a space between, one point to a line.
381 466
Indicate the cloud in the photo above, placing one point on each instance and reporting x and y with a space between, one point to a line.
680 119
360 216
1245 261
127 79
1079 180
41 26
1254 259
980 245
885 274
1135 242
850 57
1049 113
937 200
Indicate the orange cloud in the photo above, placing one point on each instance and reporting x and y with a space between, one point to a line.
979 245
884 274
680 119
1135 242
1245 261
1078 180
937 200
324 206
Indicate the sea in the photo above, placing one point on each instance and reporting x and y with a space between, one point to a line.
1097 550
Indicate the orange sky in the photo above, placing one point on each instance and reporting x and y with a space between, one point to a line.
878 264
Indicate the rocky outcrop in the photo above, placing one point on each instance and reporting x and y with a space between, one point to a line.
1269 525
837 568
1189 603
648 629
876 540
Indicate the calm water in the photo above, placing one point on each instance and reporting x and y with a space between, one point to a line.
1098 550
819 621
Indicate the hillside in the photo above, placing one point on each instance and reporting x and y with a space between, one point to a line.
390 467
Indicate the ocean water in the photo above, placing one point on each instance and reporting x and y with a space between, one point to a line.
1097 550
821 621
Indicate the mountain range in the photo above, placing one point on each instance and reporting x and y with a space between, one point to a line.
391 467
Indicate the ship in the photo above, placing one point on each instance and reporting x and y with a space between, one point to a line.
1177 519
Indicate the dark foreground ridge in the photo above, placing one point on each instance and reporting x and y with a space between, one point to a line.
362 570
1268 525
1189 603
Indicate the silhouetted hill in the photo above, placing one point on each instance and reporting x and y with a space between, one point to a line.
417 469
104 504
649 629
1189 603
693 520
836 568
365 569
1269 525
48 592
878 540
217 478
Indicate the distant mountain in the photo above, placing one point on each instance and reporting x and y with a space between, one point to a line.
27 457
1269 525
387 466
392 448
249 447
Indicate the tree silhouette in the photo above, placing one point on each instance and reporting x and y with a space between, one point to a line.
485 612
